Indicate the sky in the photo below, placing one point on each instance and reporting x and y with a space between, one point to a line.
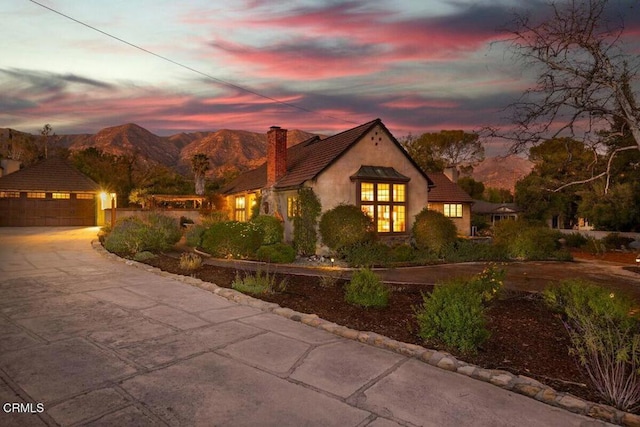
322 66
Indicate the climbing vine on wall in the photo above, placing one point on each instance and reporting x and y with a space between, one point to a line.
305 223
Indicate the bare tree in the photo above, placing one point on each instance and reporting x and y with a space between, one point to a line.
585 79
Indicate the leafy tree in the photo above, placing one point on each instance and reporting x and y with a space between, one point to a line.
448 148
497 195
200 165
555 160
473 188
583 80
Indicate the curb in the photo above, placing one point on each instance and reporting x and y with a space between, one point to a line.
516 383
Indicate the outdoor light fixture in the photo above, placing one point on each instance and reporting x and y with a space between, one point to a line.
332 260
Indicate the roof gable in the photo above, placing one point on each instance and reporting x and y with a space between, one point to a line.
53 174
308 159
444 190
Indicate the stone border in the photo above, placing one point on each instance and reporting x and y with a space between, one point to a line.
516 383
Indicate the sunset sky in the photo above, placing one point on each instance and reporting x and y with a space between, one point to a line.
419 65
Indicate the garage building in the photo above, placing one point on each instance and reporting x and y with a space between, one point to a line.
50 193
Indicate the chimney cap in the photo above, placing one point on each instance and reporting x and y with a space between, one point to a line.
274 127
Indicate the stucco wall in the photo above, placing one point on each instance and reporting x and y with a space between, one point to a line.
334 187
462 224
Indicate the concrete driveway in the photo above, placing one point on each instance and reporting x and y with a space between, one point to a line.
87 340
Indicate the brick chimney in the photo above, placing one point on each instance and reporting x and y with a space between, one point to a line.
276 154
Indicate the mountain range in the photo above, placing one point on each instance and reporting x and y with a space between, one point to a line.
233 150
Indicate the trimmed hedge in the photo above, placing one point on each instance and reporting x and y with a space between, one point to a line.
271 227
433 231
232 239
279 253
345 226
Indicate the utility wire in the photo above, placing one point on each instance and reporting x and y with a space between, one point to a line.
186 67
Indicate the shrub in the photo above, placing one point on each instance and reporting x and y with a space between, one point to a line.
271 227
259 283
403 253
366 290
488 282
433 231
345 226
232 239
575 240
190 261
464 250
305 223
453 314
193 235
614 241
278 253
523 240
367 254
213 217
153 232
604 338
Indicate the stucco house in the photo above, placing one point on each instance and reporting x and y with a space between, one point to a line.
449 199
365 166
51 192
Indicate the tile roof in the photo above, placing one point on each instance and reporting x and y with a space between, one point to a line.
307 159
444 190
53 174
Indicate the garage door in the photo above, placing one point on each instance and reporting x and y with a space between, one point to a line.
29 209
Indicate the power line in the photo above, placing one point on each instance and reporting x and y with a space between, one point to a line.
186 67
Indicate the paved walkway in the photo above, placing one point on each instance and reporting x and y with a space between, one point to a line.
86 340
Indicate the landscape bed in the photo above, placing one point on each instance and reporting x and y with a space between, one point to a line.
526 338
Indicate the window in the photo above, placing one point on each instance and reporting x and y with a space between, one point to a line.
60 195
386 204
10 194
240 208
35 195
85 196
292 206
453 210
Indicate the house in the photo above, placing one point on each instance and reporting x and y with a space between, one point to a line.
365 166
449 199
51 192
494 212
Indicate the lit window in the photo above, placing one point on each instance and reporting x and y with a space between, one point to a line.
399 192
398 218
60 195
366 192
292 207
240 208
385 203
384 219
9 194
85 196
369 210
383 192
453 210
35 195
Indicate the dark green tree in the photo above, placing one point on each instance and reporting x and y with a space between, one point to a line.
448 148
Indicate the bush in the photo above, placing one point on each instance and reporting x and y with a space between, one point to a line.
613 241
464 250
232 239
575 240
193 235
256 284
367 254
278 253
271 227
345 226
454 315
366 290
214 217
523 240
433 231
488 282
153 232
143 256
604 338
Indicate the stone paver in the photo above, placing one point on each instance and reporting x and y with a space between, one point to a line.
101 342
